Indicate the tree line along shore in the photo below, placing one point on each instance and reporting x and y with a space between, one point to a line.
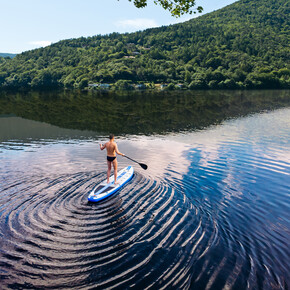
242 46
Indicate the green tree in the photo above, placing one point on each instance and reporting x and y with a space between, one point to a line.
170 87
244 45
83 83
123 85
175 7
187 77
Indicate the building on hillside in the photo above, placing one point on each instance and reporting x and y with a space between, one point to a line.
93 85
140 87
104 86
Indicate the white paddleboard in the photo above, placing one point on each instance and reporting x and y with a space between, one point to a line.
104 189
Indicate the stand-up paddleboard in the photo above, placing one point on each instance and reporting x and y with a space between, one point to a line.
104 189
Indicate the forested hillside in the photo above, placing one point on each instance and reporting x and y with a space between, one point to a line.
244 45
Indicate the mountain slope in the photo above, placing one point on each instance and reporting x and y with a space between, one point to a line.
244 45
11 55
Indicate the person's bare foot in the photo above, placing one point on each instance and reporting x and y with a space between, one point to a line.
116 183
108 181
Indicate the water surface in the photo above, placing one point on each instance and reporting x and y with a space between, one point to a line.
211 212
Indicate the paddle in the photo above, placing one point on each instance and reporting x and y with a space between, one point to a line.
144 166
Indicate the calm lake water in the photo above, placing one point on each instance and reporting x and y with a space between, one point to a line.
211 212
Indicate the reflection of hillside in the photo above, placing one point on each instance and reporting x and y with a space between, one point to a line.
15 128
139 113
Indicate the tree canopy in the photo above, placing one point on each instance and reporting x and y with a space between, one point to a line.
175 7
244 45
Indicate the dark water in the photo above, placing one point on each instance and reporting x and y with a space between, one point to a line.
211 212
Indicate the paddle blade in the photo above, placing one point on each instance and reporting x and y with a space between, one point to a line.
144 166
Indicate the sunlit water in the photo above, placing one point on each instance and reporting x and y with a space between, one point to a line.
211 212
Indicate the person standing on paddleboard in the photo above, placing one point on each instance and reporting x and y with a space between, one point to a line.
112 149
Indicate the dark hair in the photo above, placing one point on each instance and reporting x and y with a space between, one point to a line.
111 136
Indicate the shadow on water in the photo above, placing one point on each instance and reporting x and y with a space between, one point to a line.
138 113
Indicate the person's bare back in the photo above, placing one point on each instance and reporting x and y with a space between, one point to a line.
111 148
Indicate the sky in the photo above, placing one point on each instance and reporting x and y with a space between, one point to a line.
29 24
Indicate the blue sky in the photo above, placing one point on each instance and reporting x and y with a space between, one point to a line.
29 24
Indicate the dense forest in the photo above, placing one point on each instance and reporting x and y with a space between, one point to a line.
244 45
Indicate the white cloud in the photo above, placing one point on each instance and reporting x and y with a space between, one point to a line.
182 19
138 23
40 43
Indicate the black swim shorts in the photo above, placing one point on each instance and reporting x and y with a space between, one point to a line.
111 159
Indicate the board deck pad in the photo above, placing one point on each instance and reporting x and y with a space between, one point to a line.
99 188
104 189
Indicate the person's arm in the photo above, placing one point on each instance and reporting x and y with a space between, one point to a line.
102 147
118 152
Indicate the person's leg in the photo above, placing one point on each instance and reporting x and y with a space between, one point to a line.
109 170
115 164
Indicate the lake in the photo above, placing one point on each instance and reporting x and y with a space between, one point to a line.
211 212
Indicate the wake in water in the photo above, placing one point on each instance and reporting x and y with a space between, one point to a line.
213 215
55 238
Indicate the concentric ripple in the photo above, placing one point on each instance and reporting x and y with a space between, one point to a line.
212 213
55 238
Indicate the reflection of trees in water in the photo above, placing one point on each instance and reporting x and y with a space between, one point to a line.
138 112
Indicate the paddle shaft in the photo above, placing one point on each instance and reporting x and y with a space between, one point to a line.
131 159
144 166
